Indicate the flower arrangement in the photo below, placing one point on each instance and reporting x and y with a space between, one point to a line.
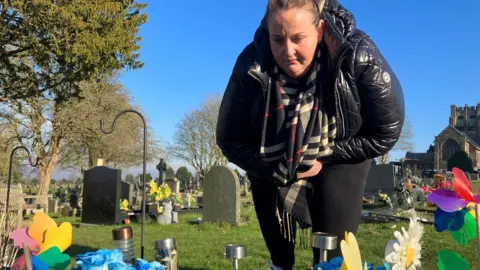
111 260
178 199
159 193
124 205
456 214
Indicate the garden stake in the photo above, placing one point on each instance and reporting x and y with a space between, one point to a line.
144 197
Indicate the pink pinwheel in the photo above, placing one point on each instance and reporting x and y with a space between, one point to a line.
452 200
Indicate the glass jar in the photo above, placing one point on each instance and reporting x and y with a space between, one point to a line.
123 241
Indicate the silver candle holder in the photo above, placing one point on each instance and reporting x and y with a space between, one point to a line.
165 252
324 242
235 253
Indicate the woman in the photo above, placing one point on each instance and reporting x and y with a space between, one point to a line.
309 103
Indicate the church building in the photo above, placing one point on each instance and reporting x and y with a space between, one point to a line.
461 133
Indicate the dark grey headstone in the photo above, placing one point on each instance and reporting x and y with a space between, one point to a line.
101 196
127 192
74 200
383 177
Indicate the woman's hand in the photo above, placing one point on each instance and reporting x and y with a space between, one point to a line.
316 168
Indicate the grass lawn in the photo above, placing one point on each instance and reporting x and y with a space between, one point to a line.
475 185
202 246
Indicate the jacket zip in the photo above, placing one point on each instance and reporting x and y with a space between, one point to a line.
341 100
264 90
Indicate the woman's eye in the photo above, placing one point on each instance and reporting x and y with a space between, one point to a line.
297 39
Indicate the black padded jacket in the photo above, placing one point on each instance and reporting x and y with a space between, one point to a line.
366 98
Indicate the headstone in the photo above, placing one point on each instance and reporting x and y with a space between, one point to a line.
174 217
383 177
101 196
200 201
187 198
221 196
174 185
66 210
74 200
52 205
126 192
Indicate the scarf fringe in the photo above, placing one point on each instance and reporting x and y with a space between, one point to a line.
291 227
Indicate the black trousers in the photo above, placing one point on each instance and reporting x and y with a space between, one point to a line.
336 208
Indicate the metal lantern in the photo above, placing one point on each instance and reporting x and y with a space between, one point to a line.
324 242
166 253
235 253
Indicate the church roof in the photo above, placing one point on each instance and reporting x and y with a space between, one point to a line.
419 156
474 141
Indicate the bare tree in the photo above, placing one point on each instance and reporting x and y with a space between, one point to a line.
67 131
405 142
123 147
194 139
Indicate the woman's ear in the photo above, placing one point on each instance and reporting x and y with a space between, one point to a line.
321 30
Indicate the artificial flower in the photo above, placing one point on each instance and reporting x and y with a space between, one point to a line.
351 254
461 196
124 205
405 251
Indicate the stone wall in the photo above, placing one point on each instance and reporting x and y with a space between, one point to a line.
478 159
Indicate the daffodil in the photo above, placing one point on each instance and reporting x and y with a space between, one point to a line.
124 205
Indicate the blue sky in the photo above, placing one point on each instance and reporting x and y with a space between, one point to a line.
189 48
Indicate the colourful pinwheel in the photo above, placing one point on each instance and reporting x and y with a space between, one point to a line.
461 196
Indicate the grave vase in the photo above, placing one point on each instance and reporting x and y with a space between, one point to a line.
166 217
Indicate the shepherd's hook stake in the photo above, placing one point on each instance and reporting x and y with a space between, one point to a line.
142 250
9 183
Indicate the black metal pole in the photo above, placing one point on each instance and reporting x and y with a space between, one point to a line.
144 197
10 178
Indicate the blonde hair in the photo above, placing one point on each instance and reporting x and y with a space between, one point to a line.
315 6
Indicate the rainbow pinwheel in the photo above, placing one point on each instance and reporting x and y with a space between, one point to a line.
461 224
461 196
46 241
455 214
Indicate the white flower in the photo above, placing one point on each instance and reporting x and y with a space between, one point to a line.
405 252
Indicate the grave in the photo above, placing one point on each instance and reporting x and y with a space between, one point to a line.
383 177
126 192
221 196
74 200
101 196
174 185
53 205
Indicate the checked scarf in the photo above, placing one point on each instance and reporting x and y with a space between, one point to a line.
296 132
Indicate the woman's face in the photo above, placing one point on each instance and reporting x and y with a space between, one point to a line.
293 39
